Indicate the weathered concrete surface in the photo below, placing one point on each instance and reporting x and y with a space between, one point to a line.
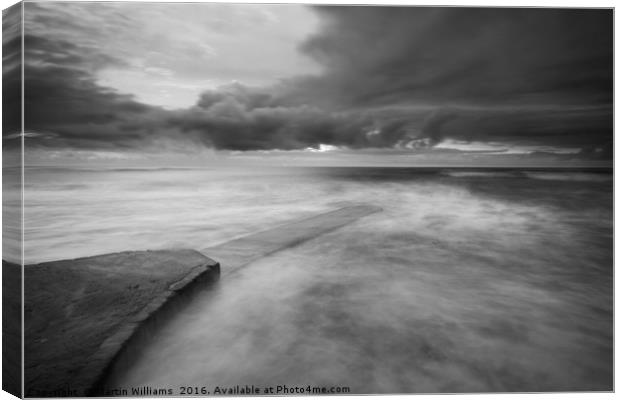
12 328
239 252
80 313
83 316
233 255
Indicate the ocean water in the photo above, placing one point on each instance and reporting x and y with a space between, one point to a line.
468 280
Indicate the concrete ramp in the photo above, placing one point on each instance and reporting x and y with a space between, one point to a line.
83 314
80 313
239 252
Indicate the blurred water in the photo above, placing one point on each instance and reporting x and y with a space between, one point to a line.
478 280
80 212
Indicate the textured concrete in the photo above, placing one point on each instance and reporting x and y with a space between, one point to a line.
12 328
83 316
80 313
237 253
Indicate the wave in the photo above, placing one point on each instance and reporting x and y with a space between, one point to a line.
570 176
482 174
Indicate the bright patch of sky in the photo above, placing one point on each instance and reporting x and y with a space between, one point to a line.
206 46
505 148
323 148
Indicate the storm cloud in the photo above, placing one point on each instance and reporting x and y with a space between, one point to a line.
518 75
389 55
403 78
11 71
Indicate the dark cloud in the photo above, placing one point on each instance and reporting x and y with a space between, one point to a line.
560 126
392 54
241 118
535 76
393 77
64 106
11 70
416 76
79 112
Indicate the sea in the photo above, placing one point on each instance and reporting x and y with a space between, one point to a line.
468 280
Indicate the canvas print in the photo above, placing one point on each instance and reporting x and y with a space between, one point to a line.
208 199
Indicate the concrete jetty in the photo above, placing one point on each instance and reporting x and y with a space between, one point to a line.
78 314
239 252
81 315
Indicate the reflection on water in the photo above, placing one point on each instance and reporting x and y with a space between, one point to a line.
462 283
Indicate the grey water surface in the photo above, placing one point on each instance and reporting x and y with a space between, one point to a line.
469 280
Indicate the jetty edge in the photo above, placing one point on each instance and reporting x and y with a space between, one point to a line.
84 317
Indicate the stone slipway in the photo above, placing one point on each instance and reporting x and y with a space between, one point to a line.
82 314
79 313
239 252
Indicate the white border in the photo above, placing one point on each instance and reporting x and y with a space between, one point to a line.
478 3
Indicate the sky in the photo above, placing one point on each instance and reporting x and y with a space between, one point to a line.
244 84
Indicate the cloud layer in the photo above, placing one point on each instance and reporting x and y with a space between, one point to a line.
390 78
